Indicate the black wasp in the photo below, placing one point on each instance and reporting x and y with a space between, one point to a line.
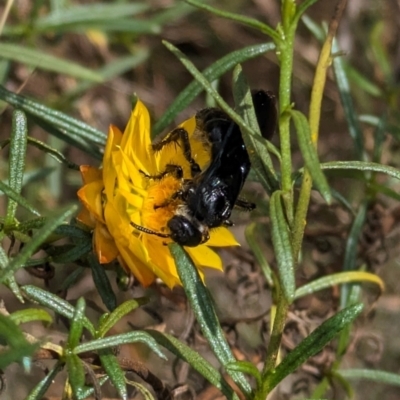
207 199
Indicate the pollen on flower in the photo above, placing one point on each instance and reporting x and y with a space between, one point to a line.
159 206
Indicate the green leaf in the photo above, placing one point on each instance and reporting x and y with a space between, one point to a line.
338 279
19 348
54 153
118 340
38 238
351 252
282 246
347 103
40 389
114 372
112 69
373 375
193 358
122 310
76 374
68 126
241 19
90 391
86 13
37 58
72 254
142 389
202 305
10 282
211 73
17 198
252 239
309 154
364 166
246 367
55 303
314 343
102 283
30 314
77 324
16 163
362 81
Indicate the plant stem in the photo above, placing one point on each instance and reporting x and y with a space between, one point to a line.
273 347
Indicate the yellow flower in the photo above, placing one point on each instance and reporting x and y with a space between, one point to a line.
120 193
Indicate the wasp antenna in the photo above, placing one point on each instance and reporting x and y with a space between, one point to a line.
149 231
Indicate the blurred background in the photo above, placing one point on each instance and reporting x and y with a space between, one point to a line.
125 47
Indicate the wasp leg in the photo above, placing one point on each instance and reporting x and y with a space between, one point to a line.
174 170
245 205
149 231
176 136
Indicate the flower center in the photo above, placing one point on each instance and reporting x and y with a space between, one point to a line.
159 206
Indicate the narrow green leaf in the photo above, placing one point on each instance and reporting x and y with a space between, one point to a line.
282 246
211 73
128 25
203 308
102 283
10 282
338 278
252 240
55 303
90 391
76 374
373 375
246 367
193 358
54 153
309 154
241 19
37 239
16 163
347 102
30 314
351 252
17 354
118 340
77 324
40 389
112 69
380 52
314 343
66 124
141 389
362 81
364 166
122 310
82 14
17 198
72 138
114 372
302 8
37 58
74 253
12 336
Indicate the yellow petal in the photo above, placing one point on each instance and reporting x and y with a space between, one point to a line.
90 196
138 268
221 237
161 260
205 257
104 244
86 218
90 174
136 141
109 172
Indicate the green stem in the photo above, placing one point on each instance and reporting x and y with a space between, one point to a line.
273 347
